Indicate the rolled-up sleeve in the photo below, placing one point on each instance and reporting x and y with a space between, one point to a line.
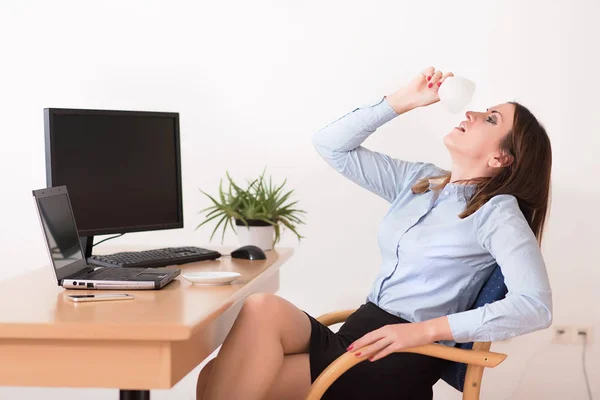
339 143
504 232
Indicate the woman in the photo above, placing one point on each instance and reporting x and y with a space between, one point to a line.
440 240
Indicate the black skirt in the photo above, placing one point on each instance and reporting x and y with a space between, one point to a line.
397 376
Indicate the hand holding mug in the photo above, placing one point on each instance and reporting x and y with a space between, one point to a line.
431 86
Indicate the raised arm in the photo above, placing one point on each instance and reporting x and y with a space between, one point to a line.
339 143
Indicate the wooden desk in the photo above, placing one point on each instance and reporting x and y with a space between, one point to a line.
150 342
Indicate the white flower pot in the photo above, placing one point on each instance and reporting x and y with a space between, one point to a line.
260 236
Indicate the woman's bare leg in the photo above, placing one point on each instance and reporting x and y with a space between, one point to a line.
267 328
203 379
292 381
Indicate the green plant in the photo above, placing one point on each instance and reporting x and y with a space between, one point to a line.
259 201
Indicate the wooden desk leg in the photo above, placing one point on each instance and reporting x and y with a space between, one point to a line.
134 395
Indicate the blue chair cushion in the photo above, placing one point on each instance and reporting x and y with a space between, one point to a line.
493 290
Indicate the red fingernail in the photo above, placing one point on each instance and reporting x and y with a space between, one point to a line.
439 83
357 354
428 78
350 347
430 85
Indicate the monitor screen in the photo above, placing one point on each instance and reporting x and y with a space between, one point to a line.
122 168
60 230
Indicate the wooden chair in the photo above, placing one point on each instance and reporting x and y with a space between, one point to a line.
470 359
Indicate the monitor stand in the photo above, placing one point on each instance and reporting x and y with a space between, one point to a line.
87 242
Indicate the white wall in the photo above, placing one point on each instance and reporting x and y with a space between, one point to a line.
254 80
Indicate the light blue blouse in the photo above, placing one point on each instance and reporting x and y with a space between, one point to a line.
433 262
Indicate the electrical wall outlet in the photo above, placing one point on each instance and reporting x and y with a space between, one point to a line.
588 332
566 334
562 334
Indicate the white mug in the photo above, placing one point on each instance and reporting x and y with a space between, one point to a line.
456 92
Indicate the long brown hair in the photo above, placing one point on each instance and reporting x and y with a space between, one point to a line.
527 177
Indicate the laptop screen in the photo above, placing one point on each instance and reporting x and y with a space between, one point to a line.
60 230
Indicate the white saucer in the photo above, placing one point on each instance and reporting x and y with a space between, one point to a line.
211 277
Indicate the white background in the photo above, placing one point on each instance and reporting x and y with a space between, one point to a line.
253 80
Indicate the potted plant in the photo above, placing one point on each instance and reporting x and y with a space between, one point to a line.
260 211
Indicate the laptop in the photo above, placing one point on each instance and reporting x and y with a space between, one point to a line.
71 268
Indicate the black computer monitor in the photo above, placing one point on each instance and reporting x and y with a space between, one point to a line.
122 169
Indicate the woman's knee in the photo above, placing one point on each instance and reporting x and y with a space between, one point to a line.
261 304
274 313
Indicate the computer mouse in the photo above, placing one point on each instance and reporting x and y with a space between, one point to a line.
249 252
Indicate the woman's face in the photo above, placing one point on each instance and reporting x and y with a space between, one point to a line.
477 139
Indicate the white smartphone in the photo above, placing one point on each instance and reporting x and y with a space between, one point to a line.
81 298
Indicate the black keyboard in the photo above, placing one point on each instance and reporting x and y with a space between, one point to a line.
155 258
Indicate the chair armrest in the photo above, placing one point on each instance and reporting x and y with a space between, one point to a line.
480 358
348 360
335 317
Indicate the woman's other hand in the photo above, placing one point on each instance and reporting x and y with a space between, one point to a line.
391 338
420 92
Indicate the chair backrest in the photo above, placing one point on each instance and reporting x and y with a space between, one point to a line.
493 290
